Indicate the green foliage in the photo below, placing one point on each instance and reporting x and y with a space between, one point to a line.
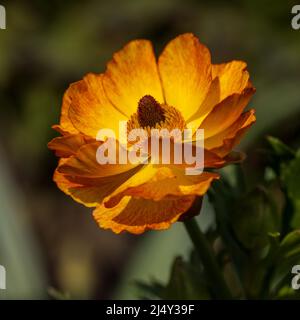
255 216
290 176
280 150
287 255
58 295
186 282
256 238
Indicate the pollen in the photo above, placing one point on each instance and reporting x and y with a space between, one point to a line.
153 115
149 112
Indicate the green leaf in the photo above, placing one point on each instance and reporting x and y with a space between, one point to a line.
278 154
288 293
290 176
58 295
255 216
290 246
287 256
185 282
280 149
152 290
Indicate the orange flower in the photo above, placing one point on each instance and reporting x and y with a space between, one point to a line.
183 89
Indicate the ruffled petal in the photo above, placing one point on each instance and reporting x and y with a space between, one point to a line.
224 142
244 120
138 215
88 182
228 79
226 113
185 69
90 109
67 145
233 77
211 100
66 126
158 182
85 164
131 75
87 194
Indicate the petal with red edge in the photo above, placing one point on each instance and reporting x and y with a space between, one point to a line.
67 145
138 215
84 164
89 190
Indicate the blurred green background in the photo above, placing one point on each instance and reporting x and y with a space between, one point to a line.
49 244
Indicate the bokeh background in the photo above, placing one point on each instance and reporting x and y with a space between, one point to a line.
50 245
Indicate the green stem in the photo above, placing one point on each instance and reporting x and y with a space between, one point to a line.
211 268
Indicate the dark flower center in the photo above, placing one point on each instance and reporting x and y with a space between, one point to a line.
149 112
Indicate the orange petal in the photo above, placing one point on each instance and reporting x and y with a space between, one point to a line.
85 184
88 182
84 164
233 77
211 100
89 191
66 126
131 75
58 128
138 215
158 182
89 195
228 78
244 120
185 69
226 113
211 160
233 135
90 110
67 145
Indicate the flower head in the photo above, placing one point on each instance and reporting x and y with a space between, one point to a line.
183 89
